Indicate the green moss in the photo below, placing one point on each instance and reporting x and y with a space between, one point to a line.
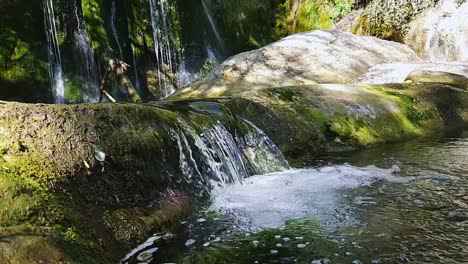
299 16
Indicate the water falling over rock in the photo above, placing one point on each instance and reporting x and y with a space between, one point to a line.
214 27
164 46
53 53
88 69
114 29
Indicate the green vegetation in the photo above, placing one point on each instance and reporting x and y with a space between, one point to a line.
390 19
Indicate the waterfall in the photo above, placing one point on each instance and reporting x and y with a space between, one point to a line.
214 26
217 155
135 70
262 152
114 29
164 39
90 87
53 53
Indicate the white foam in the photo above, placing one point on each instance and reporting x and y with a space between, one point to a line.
271 199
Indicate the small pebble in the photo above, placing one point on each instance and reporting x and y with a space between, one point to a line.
190 242
348 253
376 261
277 237
357 262
201 220
301 245
274 251
299 238
286 239
279 245
206 244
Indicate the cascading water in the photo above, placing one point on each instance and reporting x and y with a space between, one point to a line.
164 39
53 53
114 29
88 64
135 69
214 26
216 155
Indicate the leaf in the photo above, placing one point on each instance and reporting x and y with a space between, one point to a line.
99 155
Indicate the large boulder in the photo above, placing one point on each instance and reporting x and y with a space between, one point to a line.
441 33
307 58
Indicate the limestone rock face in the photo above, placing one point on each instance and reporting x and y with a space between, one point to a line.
441 33
399 72
306 58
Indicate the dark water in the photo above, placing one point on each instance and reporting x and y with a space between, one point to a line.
398 203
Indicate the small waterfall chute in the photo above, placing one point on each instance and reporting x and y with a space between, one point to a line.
114 28
53 53
164 47
210 153
214 27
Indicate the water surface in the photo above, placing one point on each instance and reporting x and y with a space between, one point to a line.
398 203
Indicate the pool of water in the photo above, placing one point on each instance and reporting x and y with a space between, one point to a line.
398 203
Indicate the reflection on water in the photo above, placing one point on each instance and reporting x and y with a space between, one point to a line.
400 203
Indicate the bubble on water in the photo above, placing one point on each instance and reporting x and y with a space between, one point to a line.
190 242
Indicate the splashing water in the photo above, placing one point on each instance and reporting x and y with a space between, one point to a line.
53 53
